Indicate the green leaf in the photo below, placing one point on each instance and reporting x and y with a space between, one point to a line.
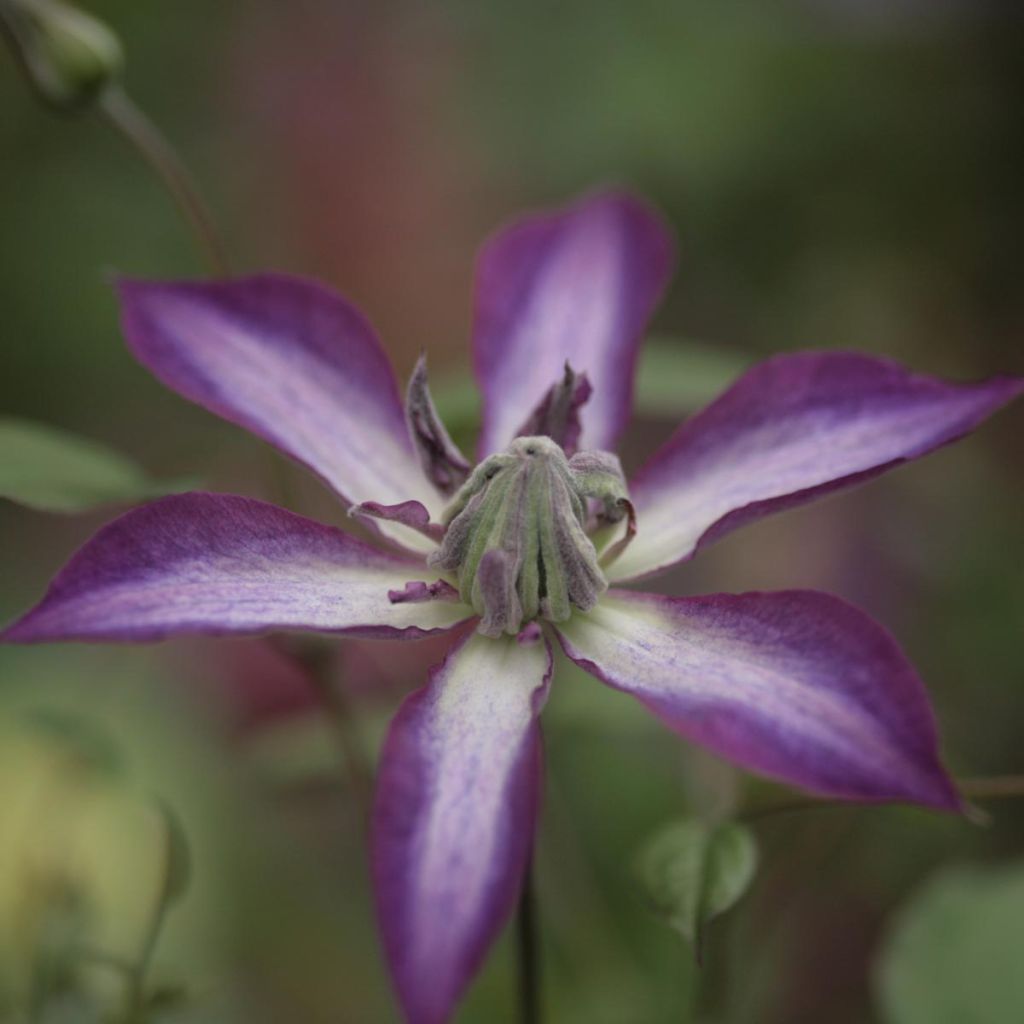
693 871
676 376
954 951
52 470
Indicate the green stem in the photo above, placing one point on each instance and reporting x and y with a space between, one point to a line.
993 787
339 710
154 148
528 952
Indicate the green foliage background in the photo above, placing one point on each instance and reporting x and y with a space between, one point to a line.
841 174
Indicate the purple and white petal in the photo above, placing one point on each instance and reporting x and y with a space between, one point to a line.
797 685
457 799
294 363
791 429
220 564
577 285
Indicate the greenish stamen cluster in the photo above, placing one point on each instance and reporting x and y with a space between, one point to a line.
516 537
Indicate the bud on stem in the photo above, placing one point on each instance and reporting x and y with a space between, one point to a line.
68 56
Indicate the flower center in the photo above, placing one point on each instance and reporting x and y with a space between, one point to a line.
517 537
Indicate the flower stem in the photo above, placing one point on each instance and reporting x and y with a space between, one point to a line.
339 710
993 787
154 148
314 660
528 952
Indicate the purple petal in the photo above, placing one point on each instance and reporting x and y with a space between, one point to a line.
791 429
797 685
294 363
577 285
216 563
453 824
409 513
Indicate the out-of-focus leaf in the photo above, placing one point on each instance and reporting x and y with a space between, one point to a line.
80 742
676 376
69 1008
954 952
457 399
693 871
55 471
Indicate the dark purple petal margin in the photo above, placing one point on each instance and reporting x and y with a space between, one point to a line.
292 362
453 824
220 564
791 429
578 286
797 685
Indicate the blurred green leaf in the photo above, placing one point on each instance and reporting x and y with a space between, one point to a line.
69 1008
93 749
52 470
677 375
457 399
693 871
953 954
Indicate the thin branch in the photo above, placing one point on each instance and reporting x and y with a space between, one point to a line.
993 787
154 148
314 660
528 952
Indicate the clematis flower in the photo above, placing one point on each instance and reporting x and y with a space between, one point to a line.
536 545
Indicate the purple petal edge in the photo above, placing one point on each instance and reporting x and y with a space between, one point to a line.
217 564
291 361
796 685
457 799
793 429
579 285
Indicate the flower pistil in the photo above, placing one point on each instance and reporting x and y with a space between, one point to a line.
517 537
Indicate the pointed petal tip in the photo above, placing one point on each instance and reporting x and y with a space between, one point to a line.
290 360
217 564
797 686
794 428
457 799
576 283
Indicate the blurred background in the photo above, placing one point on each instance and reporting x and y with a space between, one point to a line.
841 173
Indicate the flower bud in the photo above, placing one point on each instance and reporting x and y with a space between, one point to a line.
517 539
69 56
